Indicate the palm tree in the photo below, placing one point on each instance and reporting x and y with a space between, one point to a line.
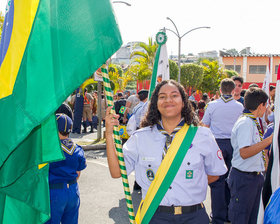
117 76
143 61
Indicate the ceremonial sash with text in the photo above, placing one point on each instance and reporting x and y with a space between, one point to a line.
166 173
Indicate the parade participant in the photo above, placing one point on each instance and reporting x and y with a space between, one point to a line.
245 178
220 116
137 111
205 98
272 90
200 109
136 118
171 157
87 111
192 96
121 102
238 80
65 109
63 176
131 102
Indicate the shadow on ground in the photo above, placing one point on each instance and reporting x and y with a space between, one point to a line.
120 214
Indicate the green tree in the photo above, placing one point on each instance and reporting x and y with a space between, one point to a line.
140 70
1 23
200 60
191 76
149 53
230 73
212 76
232 51
173 70
118 77
143 61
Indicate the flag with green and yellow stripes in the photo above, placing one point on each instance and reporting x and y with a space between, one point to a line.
48 49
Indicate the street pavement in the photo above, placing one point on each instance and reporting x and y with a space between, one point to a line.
102 197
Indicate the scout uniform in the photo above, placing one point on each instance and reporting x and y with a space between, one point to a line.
221 115
245 179
189 187
64 190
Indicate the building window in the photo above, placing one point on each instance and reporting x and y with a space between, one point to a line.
257 69
231 67
276 69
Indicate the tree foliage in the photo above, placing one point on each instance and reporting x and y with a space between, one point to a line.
118 77
143 61
173 70
232 51
191 76
230 73
149 53
140 70
212 76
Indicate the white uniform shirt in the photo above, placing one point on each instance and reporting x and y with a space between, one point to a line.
245 133
134 100
143 153
221 116
137 111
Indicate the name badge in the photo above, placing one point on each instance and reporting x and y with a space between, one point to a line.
148 159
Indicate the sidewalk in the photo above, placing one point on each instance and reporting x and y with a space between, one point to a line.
87 140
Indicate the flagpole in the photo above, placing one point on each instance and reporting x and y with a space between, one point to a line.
161 39
117 140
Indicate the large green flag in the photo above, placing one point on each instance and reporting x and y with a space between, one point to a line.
48 48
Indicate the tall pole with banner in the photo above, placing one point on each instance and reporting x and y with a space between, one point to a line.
118 143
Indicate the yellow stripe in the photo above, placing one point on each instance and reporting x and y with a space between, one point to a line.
40 166
65 123
24 14
163 169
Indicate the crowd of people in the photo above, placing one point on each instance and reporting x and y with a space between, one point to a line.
177 147
229 152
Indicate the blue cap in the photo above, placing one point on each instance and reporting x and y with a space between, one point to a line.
64 123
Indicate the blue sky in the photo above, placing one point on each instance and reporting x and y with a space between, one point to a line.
234 24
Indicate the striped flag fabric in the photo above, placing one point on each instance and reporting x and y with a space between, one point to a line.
266 81
161 64
48 49
272 183
275 171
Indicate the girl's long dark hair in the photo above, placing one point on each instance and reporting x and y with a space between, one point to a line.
153 115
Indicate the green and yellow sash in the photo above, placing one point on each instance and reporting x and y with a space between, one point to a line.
166 173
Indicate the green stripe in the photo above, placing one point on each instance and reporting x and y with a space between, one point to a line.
125 184
130 209
107 89
124 176
109 98
131 217
104 70
106 80
127 193
122 167
154 76
170 175
128 201
115 132
121 158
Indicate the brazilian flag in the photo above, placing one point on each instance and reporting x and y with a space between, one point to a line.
122 109
48 49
